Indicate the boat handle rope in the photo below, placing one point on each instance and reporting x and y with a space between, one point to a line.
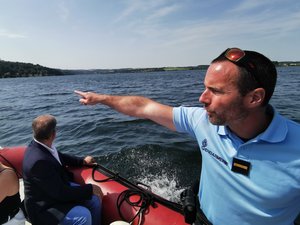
143 203
144 199
115 176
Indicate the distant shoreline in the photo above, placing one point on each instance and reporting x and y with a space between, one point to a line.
18 69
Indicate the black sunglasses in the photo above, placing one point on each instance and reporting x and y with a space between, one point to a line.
239 57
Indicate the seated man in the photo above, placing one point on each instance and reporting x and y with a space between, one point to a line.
50 195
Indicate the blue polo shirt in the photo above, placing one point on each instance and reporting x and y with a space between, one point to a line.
269 194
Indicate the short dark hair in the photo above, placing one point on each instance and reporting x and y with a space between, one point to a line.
265 70
43 127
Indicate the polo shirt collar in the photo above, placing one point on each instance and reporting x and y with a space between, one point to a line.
276 132
222 131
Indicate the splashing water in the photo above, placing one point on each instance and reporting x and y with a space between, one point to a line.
164 186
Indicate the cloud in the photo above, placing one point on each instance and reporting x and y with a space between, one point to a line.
240 26
8 34
248 5
163 12
63 11
259 5
146 10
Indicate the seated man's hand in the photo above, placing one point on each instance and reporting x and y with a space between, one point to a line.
89 161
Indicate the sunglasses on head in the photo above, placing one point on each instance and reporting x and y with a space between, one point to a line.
239 57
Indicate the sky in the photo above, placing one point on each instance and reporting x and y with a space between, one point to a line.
111 34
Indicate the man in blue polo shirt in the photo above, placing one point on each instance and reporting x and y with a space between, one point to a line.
250 154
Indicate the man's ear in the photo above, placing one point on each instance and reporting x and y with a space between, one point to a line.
255 97
53 136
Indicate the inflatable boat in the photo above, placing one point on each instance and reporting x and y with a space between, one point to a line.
123 200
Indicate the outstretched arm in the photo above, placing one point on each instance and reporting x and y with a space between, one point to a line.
135 106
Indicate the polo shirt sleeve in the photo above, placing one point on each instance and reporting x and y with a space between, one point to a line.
187 119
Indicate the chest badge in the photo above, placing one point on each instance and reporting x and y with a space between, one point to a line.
241 166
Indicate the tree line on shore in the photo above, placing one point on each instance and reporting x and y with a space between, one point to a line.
19 69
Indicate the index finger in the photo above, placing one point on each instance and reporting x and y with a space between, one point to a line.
81 93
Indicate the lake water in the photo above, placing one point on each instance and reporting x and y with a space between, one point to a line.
138 149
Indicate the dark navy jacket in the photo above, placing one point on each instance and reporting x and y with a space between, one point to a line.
48 195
